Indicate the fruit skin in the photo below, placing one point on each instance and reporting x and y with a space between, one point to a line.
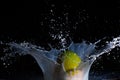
70 60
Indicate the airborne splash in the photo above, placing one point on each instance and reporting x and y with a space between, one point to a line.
48 60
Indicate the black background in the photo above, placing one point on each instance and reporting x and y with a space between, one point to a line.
20 21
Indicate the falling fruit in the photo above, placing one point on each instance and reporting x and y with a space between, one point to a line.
70 60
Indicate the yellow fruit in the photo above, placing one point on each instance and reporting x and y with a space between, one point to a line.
74 72
70 60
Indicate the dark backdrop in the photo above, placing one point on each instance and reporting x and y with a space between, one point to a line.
20 21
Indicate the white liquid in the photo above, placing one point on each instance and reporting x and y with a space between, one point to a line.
47 60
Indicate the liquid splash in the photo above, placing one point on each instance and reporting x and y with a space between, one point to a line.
48 60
